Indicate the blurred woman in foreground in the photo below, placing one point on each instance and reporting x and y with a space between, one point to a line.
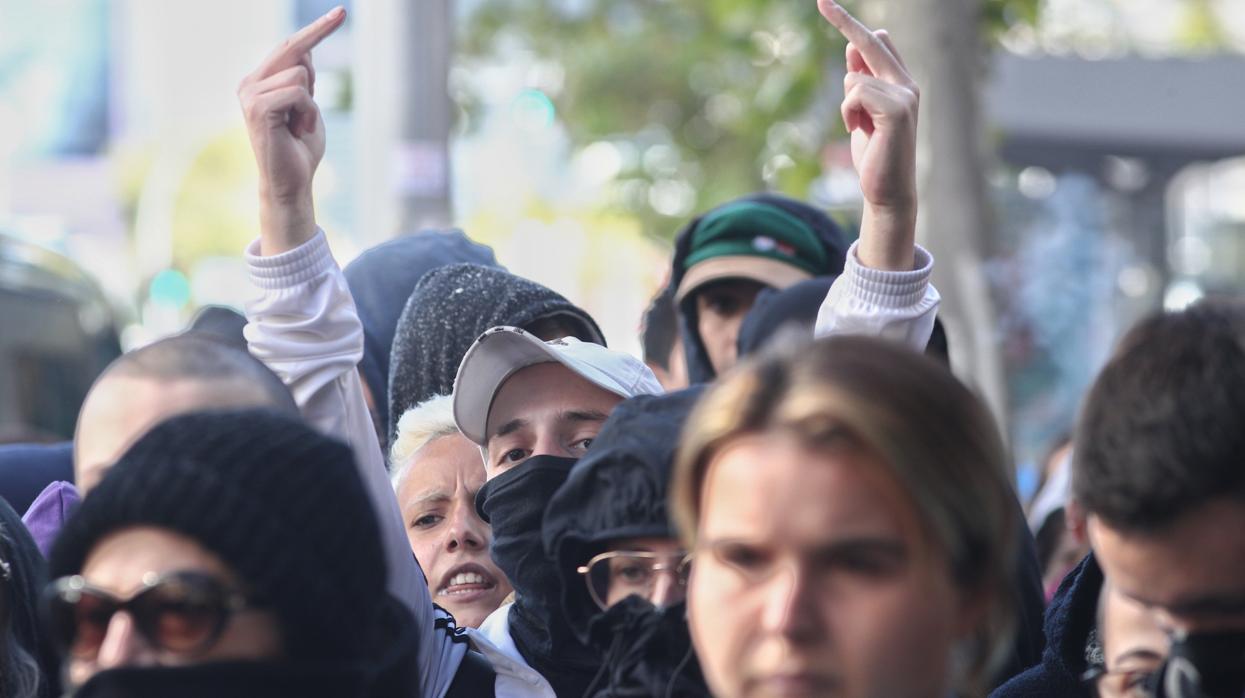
851 527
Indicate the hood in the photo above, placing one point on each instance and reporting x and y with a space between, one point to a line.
48 513
445 314
25 469
647 652
26 574
617 490
382 278
776 311
699 369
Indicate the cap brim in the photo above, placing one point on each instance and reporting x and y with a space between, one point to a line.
496 356
770 272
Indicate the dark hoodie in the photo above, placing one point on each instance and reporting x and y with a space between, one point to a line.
619 490
448 310
1070 618
382 278
699 368
22 639
26 469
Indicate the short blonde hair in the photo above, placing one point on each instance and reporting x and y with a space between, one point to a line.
419 426
936 439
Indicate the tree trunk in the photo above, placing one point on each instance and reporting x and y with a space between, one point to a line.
941 42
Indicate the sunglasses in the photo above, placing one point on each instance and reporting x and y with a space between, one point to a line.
182 613
614 575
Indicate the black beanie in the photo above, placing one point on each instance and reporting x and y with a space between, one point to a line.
278 502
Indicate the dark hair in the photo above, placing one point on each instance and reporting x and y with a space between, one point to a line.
198 357
660 329
1160 433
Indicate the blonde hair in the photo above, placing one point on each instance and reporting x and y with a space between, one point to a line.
937 440
420 425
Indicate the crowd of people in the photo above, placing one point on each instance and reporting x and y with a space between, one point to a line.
423 475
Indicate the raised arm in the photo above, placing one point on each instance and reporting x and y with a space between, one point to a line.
885 287
304 325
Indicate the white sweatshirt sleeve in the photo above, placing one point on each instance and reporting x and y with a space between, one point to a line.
304 326
897 305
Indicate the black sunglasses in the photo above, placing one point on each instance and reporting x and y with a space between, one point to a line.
179 612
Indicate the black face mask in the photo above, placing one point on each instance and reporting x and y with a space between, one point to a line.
1209 665
514 504
647 651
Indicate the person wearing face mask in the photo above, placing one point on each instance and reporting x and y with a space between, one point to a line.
619 561
206 563
437 473
851 525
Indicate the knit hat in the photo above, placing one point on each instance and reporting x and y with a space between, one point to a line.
452 306
278 502
382 278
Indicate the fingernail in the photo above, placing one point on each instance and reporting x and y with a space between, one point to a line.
337 12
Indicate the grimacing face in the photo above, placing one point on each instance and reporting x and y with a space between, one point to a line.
1190 574
118 564
450 541
544 410
1133 646
721 307
813 577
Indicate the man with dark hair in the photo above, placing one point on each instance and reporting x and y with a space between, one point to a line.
1158 470
184 373
659 337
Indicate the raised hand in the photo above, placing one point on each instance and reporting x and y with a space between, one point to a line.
880 111
287 134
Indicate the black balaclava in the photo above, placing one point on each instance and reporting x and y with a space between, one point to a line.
382 278
699 368
619 491
445 314
1207 665
774 312
514 504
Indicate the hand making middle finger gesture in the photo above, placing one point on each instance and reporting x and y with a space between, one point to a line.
287 134
880 111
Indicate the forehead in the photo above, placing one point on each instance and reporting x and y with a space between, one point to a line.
539 394
1186 568
442 464
120 560
769 486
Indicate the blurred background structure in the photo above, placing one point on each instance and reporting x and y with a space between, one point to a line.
1082 160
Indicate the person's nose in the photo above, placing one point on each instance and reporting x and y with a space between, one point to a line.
123 645
547 445
466 530
667 591
790 607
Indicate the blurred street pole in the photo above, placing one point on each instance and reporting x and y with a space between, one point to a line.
403 115
942 41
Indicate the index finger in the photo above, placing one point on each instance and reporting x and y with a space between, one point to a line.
877 55
291 51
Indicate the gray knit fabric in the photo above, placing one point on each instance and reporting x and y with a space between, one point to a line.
452 306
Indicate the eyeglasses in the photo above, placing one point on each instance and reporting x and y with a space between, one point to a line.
1127 683
615 575
180 612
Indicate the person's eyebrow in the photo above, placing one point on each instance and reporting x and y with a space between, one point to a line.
1208 605
510 427
892 548
584 416
1141 653
428 497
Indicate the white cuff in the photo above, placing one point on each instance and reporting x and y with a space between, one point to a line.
889 289
291 268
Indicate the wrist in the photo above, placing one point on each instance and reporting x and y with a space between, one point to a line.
888 238
285 222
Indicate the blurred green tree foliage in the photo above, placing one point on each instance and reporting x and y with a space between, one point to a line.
715 98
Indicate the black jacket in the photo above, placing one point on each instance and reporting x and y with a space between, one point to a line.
21 628
619 490
699 369
448 310
1070 618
